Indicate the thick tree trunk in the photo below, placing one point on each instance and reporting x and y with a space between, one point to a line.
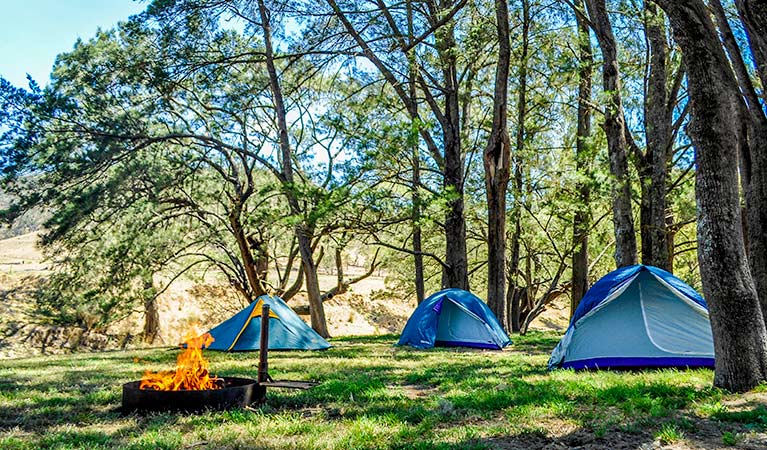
302 229
615 129
754 17
583 156
658 129
497 158
456 275
740 338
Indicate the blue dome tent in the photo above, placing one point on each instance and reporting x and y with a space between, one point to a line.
286 330
637 317
453 318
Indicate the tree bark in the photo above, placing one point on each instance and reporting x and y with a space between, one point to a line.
753 14
420 289
658 129
302 229
740 338
754 152
617 145
151 315
456 275
497 157
583 156
255 284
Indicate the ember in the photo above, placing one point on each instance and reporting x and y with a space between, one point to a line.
191 372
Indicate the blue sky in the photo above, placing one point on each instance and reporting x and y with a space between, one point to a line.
33 32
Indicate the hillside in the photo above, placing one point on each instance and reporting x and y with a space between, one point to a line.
368 309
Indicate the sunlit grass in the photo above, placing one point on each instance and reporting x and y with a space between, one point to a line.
372 396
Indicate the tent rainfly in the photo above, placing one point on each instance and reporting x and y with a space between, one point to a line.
286 330
637 317
453 318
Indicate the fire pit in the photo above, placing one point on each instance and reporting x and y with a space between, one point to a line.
191 387
235 393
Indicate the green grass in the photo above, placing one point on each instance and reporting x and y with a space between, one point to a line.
372 396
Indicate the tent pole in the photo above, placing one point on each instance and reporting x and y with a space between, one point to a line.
263 362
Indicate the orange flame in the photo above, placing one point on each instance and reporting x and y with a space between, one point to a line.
191 372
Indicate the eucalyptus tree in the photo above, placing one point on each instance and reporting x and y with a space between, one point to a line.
717 129
162 93
583 156
497 157
617 135
380 35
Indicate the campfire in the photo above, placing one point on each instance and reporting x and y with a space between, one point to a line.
191 372
191 387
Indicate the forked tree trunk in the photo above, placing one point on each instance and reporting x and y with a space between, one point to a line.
497 159
583 156
617 145
740 338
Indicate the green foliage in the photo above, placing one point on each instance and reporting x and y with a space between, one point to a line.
669 434
730 438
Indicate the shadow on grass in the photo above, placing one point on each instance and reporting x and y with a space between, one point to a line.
364 379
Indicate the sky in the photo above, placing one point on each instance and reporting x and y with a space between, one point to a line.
33 32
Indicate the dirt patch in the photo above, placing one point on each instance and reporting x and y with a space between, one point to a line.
416 391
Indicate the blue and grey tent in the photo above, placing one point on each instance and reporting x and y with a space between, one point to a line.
637 317
453 318
242 332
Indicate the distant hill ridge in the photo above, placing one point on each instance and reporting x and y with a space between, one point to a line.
28 223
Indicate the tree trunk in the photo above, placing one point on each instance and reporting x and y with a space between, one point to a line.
740 338
340 287
615 129
456 275
497 157
302 229
658 129
516 212
420 290
255 286
151 315
316 308
754 18
753 14
583 157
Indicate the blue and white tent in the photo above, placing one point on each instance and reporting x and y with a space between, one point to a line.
242 332
453 318
637 317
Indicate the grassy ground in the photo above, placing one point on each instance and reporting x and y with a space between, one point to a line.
376 396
